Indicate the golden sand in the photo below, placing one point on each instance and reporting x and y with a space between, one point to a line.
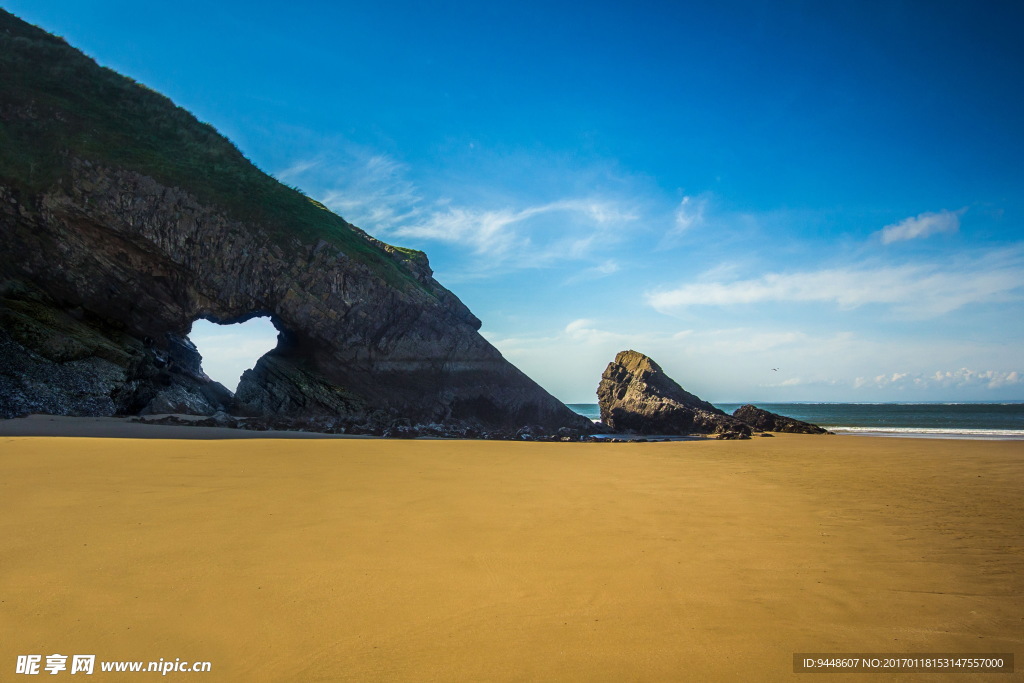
371 560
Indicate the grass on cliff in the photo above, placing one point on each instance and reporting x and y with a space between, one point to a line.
57 104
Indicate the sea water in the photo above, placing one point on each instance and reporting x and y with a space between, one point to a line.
935 420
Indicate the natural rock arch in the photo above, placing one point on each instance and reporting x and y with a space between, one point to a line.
146 259
124 219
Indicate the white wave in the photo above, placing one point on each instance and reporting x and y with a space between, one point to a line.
932 432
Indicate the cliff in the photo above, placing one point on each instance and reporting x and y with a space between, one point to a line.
124 219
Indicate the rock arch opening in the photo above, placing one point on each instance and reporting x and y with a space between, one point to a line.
232 347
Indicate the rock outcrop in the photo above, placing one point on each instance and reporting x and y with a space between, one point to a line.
124 220
635 395
765 421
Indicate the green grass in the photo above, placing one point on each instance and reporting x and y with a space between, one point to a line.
56 104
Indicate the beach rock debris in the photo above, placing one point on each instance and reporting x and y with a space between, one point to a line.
376 426
635 395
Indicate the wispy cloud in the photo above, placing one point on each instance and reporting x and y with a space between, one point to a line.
922 225
690 214
587 332
608 267
377 194
297 170
497 233
364 186
925 289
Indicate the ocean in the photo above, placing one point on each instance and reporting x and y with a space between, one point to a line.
930 420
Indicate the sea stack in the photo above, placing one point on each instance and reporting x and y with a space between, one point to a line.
635 395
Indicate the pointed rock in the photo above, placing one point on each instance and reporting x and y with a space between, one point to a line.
635 395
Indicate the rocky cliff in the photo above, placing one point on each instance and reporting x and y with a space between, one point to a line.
635 395
124 220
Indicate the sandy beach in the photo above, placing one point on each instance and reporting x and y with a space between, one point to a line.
361 560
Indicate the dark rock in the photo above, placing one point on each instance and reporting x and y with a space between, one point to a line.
222 419
178 399
765 421
33 383
530 433
635 395
733 435
400 432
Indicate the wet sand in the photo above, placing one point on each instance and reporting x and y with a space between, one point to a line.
361 560
130 428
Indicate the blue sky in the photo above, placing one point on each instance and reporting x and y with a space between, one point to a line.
832 189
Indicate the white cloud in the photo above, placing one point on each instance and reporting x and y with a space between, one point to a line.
298 169
482 231
689 214
374 191
496 232
375 194
921 289
962 378
365 187
577 326
993 379
922 225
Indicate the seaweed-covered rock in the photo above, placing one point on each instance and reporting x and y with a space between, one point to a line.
766 421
